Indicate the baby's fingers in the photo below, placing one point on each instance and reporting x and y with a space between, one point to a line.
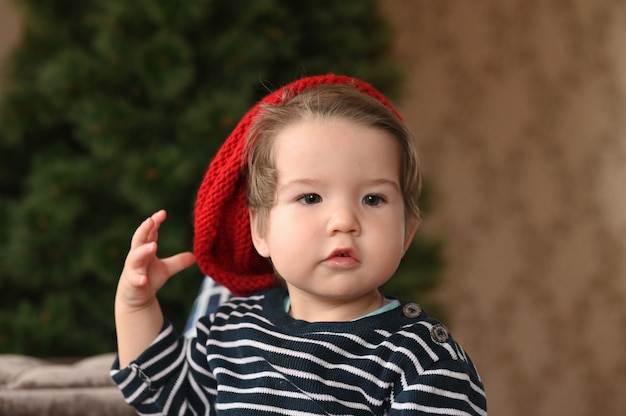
161 270
157 219
148 230
179 262
137 263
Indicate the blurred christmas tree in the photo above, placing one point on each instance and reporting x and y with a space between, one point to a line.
112 110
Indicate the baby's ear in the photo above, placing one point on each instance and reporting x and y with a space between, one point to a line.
412 224
259 235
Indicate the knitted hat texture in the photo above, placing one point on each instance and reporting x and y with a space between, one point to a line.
222 239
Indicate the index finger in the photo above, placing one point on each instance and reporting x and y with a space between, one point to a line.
147 230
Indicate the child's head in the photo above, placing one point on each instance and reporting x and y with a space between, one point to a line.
341 101
222 241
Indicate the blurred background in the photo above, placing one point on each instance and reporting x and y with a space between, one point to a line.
113 109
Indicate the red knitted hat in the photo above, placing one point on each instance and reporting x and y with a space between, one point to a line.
222 239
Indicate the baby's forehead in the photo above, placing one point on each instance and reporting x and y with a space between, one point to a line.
329 145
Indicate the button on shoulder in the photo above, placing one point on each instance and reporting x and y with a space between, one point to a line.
439 333
412 310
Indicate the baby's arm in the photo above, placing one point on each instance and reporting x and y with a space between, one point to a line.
138 316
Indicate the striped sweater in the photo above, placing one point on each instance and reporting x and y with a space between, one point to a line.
252 358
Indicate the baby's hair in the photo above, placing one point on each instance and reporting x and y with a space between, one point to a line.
341 101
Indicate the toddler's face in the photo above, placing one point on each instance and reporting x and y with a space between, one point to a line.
337 230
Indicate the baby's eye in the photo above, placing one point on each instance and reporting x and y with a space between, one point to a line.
373 200
310 199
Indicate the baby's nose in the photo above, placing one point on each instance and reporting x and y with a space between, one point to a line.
343 219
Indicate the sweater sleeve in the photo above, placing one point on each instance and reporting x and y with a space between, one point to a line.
448 387
170 377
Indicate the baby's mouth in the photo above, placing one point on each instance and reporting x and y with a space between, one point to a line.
343 254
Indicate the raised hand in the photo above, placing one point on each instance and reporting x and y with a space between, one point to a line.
138 316
144 273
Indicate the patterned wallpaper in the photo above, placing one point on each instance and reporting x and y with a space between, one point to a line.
519 107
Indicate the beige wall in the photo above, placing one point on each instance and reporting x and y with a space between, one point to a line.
520 109
9 32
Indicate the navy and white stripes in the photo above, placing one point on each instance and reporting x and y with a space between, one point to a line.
250 357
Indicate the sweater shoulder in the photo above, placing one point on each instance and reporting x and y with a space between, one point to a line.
237 309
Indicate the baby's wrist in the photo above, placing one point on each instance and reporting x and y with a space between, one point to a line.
131 305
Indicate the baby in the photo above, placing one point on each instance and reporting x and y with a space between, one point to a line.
306 210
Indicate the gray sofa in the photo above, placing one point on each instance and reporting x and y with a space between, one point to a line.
33 386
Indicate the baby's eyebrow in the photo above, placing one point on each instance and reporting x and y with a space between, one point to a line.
304 182
385 181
